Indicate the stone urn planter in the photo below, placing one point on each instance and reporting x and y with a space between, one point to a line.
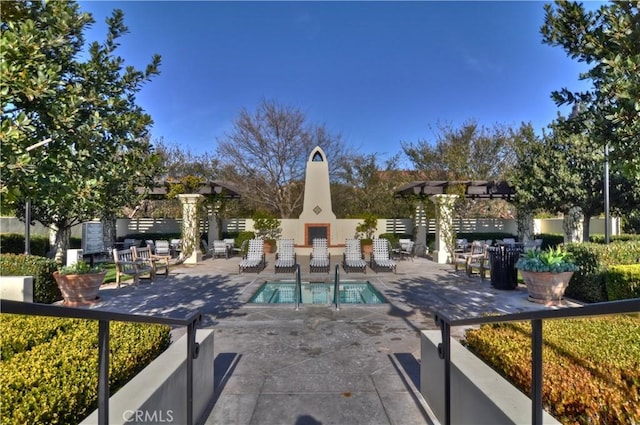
79 284
546 287
546 274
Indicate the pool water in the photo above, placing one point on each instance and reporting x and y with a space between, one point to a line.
317 293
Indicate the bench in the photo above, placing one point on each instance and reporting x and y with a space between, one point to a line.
126 264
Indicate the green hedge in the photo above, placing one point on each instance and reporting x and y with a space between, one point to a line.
13 243
623 282
49 367
588 283
591 367
45 289
549 240
614 238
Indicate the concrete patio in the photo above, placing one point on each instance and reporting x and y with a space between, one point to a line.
275 365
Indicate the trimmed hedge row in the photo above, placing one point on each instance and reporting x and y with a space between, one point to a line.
588 283
615 238
50 375
45 289
13 243
623 282
591 367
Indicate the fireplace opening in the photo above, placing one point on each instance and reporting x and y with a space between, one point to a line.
314 231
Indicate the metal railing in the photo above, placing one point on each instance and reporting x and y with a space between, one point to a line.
104 318
536 317
336 288
298 286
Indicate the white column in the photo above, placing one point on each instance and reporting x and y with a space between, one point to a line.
445 235
191 253
572 225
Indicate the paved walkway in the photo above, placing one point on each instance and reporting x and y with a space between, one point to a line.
274 365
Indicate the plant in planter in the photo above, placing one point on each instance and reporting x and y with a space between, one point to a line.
267 228
365 232
546 274
79 283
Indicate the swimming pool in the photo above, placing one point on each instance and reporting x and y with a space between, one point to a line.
284 292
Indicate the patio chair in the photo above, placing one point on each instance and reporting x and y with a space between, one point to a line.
353 258
285 257
145 257
479 261
320 258
407 249
126 264
231 246
462 259
162 247
254 260
380 257
219 249
161 260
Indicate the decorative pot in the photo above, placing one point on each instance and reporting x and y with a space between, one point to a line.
546 287
79 289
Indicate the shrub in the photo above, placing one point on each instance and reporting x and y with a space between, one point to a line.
588 283
243 236
614 238
591 367
50 374
13 243
549 240
45 289
623 282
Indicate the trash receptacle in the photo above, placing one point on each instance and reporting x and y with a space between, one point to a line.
504 274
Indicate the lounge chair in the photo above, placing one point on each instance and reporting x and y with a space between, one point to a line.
231 246
254 260
320 258
353 258
380 256
285 257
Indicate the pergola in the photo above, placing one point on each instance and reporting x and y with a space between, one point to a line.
213 187
437 191
474 189
191 252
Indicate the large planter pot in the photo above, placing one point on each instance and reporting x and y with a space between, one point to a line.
79 289
546 287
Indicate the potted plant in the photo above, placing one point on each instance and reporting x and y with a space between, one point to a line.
365 232
267 228
546 274
79 283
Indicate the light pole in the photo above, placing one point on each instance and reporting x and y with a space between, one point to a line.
27 206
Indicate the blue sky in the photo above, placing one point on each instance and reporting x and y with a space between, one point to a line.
376 72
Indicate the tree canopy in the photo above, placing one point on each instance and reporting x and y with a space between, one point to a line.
83 103
265 155
608 40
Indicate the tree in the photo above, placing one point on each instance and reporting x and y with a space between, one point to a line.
98 152
364 186
562 171
265 155
609 40
470 152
